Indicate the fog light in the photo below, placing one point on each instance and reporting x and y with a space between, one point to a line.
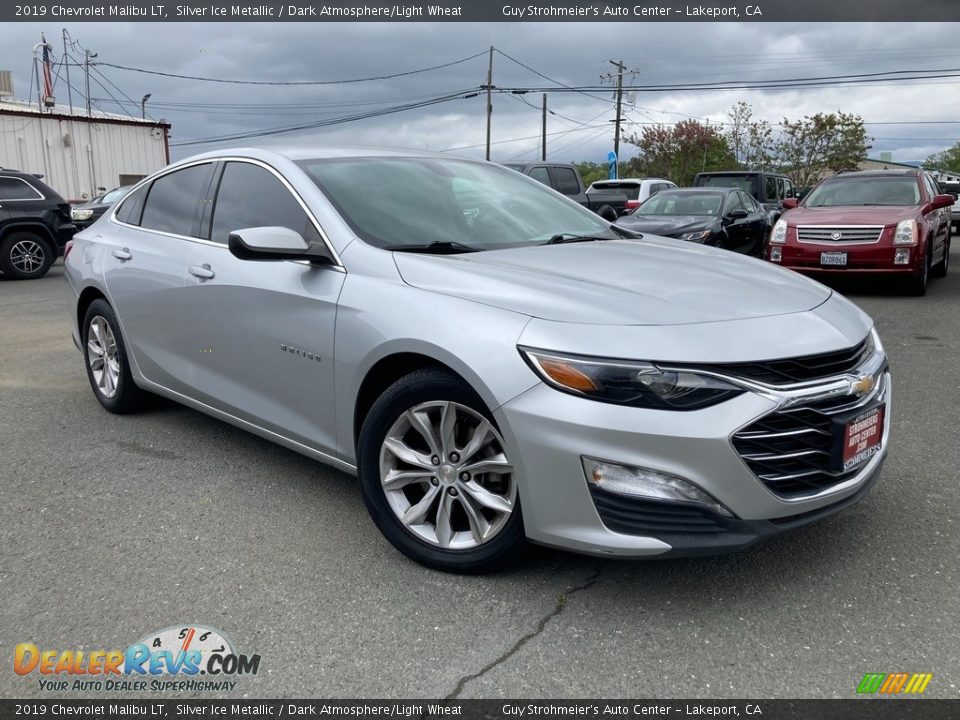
901 256
642 482
775 254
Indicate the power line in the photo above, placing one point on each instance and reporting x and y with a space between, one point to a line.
293 82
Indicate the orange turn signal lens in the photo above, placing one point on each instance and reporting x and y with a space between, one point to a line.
565 374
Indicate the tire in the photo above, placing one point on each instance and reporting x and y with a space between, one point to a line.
478 535
25 256
111 380
918 285
940 269
608 213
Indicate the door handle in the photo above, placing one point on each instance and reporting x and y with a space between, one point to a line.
202 271
122 254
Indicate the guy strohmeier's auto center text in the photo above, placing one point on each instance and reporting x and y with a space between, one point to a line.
612 12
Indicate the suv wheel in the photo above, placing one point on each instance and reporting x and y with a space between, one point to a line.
940 269
435 475
25 256
918 286
106 359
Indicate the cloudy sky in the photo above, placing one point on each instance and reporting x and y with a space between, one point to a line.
571 53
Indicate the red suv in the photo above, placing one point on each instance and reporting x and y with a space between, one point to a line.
876 221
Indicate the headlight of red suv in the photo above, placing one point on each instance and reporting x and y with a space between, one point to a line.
906 233
779 233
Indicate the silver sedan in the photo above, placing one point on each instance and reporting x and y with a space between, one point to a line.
495 363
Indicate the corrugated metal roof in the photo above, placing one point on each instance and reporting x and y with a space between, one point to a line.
79 112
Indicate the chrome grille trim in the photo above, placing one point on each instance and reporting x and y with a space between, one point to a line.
850 234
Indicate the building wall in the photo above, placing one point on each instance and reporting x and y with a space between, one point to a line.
76 157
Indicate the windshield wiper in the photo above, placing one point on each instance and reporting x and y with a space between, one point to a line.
434 248
564 238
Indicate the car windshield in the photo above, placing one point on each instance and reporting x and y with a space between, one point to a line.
396 202
846 191
682 203
114 195
741 182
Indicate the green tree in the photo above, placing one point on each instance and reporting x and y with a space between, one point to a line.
948 159
591 172
750 141
821 143
680 151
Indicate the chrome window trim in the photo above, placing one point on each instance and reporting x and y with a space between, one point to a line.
40 195
831 243
338 264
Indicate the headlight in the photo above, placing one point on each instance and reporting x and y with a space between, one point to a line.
623 382
81 214
698 235
779 233
906 233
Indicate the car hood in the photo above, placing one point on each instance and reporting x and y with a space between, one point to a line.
865 215
669 225
653 281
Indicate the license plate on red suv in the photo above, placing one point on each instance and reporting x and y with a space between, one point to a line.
833 258
859 437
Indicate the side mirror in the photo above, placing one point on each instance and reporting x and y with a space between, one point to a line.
790 203
272 243
942 201
738 214
956 196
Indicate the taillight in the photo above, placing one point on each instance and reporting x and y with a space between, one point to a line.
67 248
633 204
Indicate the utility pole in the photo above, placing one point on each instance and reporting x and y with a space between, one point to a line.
543 139
86 71
489 98
66 67
616 131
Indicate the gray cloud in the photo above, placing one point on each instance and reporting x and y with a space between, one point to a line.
570 53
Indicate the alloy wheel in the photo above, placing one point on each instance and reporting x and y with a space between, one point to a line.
27 256
102 356
446 476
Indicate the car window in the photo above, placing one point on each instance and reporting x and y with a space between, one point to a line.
251 196
733 202
788 191
772 193
851 190
540 174
114 195
677 202
932 188
13 188
744 182
174 200
131 208
565 180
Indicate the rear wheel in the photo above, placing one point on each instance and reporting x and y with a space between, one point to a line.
436 478
25 256
108 367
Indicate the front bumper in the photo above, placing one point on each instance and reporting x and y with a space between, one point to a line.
548 433
861 258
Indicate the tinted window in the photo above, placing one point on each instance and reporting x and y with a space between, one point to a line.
174 201
565 180
131 208
732 203
12 188
743 182
788 191
673 202
540 174
250 196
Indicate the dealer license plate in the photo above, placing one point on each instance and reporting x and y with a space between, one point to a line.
861 436
833 258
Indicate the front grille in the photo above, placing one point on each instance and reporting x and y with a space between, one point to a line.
839 233
789 450
798 369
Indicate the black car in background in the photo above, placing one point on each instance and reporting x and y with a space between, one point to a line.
89 212
723 217
767 188
35 224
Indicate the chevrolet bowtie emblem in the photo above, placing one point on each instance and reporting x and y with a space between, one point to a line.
862 385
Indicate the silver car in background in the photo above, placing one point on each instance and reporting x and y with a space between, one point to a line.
495 363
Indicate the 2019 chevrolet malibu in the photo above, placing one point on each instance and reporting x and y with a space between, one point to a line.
496 363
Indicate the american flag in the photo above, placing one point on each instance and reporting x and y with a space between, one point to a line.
47 78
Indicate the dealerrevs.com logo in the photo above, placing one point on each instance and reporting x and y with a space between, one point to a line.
188 658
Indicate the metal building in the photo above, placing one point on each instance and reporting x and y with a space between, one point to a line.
78 155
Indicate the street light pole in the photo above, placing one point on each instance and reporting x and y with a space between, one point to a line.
143 106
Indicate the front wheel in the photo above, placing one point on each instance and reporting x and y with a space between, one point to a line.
940 269
918 285
436 478
108 367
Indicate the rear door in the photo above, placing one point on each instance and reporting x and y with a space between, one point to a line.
263 330
144 260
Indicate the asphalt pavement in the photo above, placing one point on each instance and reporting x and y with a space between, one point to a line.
112 528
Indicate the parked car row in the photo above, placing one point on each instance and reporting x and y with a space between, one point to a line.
36 223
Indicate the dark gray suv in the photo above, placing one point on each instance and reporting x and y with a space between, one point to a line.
35 224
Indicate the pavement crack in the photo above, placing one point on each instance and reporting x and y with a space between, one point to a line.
541 626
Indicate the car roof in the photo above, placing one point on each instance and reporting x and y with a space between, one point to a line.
701 190
744 172
877 173
320 152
